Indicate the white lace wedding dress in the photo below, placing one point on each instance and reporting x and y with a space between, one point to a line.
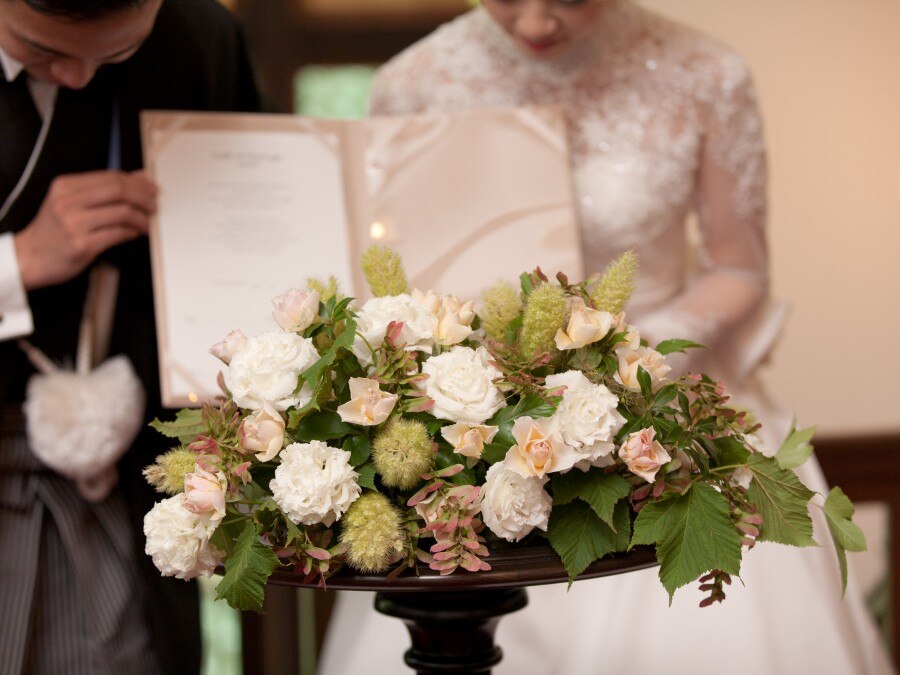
662 123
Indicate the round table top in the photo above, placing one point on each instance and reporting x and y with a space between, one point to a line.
531 565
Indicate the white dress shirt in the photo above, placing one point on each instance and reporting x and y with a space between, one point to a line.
15 314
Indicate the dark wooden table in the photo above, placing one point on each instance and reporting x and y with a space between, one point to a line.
452 619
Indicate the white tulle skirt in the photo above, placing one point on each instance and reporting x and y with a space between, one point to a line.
787 618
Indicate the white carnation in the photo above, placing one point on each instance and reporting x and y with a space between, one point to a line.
511 505
314 483
267 368
461 383
376 314
587 417
178 540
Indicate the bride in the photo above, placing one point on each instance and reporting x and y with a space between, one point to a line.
662 122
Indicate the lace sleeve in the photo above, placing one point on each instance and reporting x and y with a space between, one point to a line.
732 276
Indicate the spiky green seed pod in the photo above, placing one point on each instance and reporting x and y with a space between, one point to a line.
615 287
371 530
384 271
167 475
402 452
326 290
501 303
545 313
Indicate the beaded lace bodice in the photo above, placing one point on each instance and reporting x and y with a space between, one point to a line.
662 122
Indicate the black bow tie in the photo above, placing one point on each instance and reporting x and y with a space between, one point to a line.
20 126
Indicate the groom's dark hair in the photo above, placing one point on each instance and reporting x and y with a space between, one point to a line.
80 10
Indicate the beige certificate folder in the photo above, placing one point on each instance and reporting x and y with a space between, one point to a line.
251 205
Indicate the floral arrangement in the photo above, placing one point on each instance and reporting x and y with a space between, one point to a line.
416 430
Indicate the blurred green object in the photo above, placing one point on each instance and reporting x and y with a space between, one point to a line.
336 92
221 629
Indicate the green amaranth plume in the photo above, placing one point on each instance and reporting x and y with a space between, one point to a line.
402 452
545 313
384 271
371 531
615 287
501 303
167 475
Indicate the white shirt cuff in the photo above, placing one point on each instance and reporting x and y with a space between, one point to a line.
15 314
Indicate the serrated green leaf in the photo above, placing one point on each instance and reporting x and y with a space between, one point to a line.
677 345
322 426
579 537
246 572
343 341
796 448
366 476
186 426
227 531
599 490
693 535
730 451
847 536
783 502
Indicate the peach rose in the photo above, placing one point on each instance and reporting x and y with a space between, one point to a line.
368 405
204 493
585 326
262 432
539 449
643 455
469 439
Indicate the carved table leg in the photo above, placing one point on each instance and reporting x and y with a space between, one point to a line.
452 632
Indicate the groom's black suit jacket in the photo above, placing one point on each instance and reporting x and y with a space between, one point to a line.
193 60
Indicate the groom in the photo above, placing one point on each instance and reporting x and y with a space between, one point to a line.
77 594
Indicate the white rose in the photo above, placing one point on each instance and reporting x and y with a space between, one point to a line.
294 310
368 405
376 314
587 417
178 540
229 346
649 359
539 448
461 384
511 505
314 483
267 369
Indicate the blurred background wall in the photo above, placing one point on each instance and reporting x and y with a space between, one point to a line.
828 77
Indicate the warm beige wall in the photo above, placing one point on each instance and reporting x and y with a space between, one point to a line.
828 75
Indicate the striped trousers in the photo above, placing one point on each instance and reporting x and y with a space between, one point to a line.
69 595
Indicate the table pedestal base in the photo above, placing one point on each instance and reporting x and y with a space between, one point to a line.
452 632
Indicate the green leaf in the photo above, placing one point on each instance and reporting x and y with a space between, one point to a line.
359 448
366 476
579 537
664 396
188 424
693 535
846 535
343 341
677 345
782 500
323 426
246 572
599 490
227 531
730 451
796 448
644 380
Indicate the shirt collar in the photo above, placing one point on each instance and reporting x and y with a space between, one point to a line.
11 67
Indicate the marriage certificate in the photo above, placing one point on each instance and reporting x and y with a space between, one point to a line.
252 205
